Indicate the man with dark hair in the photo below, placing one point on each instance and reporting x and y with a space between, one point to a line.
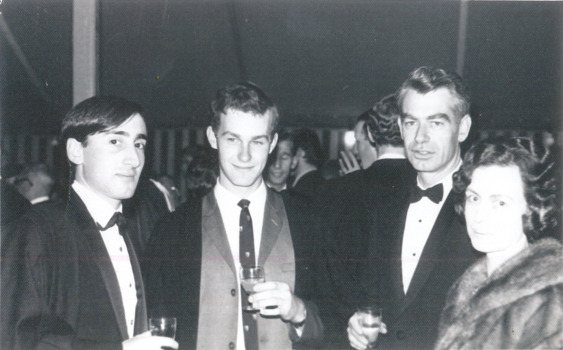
278 167
193 262
78 284
307 159
363 152
417 246
343 208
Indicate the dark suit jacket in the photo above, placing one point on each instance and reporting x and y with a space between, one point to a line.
59 288
172 267
309 184
412 319
343 214
13 205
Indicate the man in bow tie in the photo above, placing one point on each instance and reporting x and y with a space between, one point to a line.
418 248
77 284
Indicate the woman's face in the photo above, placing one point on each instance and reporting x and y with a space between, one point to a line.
494 206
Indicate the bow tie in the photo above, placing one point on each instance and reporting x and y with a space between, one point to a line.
117 218
434 193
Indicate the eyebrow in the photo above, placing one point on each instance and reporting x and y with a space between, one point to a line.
441 116
124 133
267 137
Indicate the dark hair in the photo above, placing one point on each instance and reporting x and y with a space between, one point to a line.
383 124
245 97
202 172
426 79
96 114
308 141
539 177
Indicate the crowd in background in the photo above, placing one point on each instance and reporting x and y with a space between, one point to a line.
460 250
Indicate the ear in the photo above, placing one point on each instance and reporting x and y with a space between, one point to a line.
273 143
464 127
295 159
75 151
211 137
400 122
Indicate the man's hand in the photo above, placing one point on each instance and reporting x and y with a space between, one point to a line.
276 299
146 341
356 335
348 163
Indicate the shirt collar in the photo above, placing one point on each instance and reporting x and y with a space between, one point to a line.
39 200
99 209
391 156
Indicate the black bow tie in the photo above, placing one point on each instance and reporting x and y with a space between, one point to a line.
434 193
117 219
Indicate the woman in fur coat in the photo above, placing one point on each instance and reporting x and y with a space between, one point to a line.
513 297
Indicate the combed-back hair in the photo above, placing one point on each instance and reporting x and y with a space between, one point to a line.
245 97
540 178
309 142
97 114
383 122
426 79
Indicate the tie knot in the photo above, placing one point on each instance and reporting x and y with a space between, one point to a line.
244 203
117 219
434 193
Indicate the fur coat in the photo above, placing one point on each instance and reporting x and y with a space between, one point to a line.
520 306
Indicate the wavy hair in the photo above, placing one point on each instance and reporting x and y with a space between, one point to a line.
539 177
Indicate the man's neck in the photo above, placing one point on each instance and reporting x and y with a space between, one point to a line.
303 170
428 179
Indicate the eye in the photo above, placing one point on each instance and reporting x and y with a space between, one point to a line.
115 142
231 139
258 142
140 145
437 123
408 123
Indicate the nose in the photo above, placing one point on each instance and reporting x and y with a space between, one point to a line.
277 163
421 134
479 213
244 153
134 157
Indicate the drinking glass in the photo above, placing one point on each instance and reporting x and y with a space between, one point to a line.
249 276
370 321
163 326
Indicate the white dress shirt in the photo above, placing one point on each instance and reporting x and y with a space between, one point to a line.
421 217
102 212
230 213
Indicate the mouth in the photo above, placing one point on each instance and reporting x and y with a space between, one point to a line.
243 168
422 154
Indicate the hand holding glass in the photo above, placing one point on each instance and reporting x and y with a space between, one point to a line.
249 276
163 326
370 321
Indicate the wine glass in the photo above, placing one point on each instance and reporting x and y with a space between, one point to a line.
249 276
370 321
163 326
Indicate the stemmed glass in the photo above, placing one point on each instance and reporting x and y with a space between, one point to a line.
249 276
370 321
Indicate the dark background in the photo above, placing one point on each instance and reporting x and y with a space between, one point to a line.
323 62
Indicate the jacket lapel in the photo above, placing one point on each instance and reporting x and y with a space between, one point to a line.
96 252
271 227
432 250
212 225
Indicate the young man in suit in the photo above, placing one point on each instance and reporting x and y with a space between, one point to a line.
344 208
77 284
418 247
307 159
194 259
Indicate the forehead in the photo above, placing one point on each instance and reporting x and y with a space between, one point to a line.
133 126
422 106
284 146
495 179
244 123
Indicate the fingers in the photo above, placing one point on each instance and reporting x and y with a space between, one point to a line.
355 335
273 299
348 162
